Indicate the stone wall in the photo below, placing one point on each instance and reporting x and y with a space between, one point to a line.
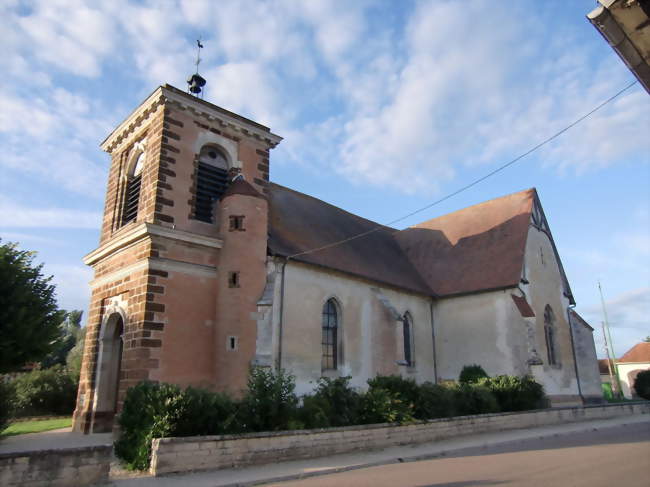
65 467
227 451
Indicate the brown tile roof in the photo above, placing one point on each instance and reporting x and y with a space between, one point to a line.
241 186
298 222
523 306
475 249
638 353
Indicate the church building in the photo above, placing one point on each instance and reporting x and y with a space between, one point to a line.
205 268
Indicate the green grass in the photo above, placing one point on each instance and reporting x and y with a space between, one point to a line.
23 427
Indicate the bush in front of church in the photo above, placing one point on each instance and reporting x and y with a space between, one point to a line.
516 393
270 403
333 403
434 401
471 374
157 410
642 384
383 406
473 399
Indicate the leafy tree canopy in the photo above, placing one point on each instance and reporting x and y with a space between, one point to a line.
69 333
29 316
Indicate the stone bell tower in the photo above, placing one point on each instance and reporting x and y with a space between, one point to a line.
181 258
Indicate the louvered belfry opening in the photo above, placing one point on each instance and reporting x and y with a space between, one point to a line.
131 199
211 182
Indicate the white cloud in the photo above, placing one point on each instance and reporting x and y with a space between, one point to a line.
71 283
15 216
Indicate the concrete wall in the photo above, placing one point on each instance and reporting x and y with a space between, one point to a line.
215 452
627 373
587 361
371 337
54 468
485 329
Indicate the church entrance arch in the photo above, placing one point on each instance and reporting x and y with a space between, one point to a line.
108 371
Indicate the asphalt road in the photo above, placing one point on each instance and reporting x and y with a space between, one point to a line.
616 456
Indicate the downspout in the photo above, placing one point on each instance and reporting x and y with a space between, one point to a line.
279 361
433 343
573 350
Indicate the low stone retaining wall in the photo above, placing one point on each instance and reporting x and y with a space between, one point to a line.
64 467
215 452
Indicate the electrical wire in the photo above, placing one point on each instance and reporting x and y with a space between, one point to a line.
473 183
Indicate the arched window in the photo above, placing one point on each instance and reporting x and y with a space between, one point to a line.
329 342
211 181
549 334
407 327
133 183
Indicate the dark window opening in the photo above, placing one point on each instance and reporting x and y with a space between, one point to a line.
329 342
408 354
211 183
131 199
550 336
237 223
233 279
232 343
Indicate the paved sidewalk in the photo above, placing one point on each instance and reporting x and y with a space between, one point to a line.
53 440
337 463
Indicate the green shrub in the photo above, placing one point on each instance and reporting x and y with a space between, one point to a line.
383 406
153 410
473 399
434 401
333 403
516 393
6 393
270 402
642 384
44 392
406 389
472 373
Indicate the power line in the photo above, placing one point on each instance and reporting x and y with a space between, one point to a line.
473 183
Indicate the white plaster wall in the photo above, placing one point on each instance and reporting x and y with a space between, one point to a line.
369 341
587 360
484 329
626 384
546 287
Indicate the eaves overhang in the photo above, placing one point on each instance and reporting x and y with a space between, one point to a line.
625 25
144 230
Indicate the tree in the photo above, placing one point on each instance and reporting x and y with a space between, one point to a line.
69 331
647 339
73 360
29 316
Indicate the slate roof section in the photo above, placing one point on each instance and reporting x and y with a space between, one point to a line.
639 353
298 222
580 319
478 248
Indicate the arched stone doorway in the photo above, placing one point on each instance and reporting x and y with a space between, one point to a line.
108 373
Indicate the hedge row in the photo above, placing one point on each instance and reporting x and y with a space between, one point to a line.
155 410
50 392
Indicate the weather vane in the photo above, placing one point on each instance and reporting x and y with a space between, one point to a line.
195 81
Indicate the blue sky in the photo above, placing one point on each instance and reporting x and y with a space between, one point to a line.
385 106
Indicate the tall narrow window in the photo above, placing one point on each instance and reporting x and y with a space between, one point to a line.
132 193
329 343
549 334
408 341
211 182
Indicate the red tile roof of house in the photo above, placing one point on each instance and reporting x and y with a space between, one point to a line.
638 353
